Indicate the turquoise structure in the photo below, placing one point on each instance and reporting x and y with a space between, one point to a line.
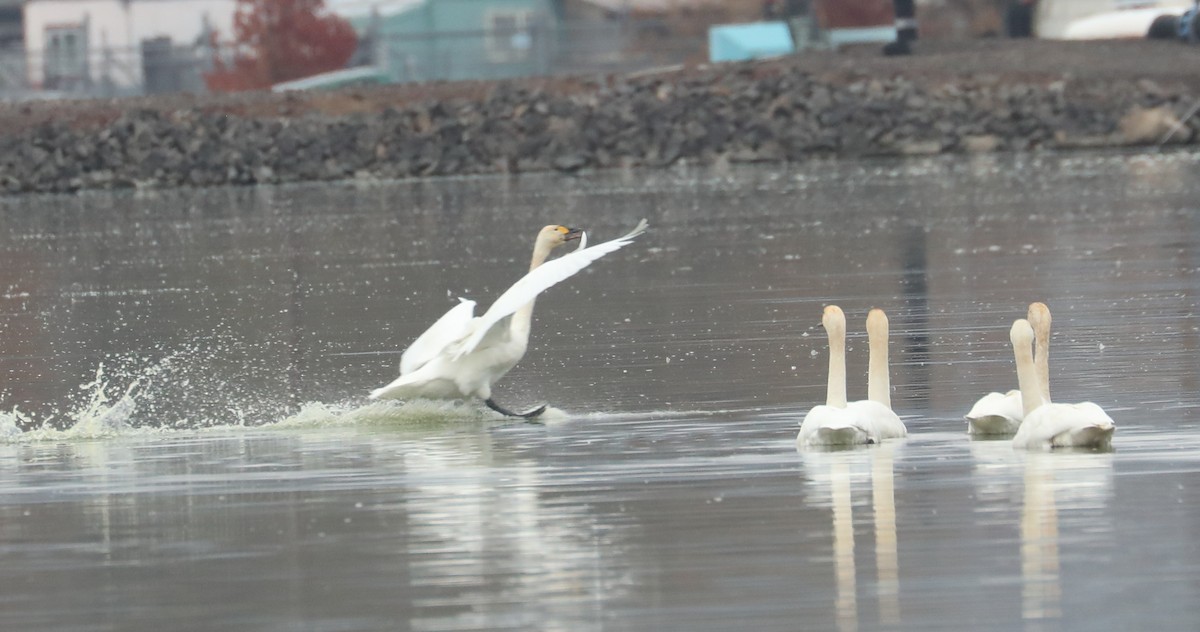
430 40
739 42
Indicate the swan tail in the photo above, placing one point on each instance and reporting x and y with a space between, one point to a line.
1098 436
992 425
840 435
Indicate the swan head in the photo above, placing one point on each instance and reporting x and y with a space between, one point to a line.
834 320
553 236
877 321
1038 314
1021 333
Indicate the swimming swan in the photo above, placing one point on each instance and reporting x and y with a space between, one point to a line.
1049 425
834 423
461 355
877 408
1002 413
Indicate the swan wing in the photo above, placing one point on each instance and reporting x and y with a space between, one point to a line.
1006 405
1054 425
828 425
879 421
539 280
450 328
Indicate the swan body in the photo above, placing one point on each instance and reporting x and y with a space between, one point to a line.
882 422
834 423
826 425
996 414
1002 413
462 355
1047 424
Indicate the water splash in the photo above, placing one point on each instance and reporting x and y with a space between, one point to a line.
98 416
10 424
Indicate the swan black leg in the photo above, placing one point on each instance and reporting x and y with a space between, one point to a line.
529 414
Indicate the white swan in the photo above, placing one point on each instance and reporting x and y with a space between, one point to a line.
1049 425
877 408
461 355
834 423
1002 413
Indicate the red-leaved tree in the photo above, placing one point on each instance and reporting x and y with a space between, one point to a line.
281 40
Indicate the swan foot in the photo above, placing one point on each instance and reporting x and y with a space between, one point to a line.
529 414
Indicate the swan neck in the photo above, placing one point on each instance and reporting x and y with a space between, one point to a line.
878 381
522 320
1041 360
835 395
1027 378
541 250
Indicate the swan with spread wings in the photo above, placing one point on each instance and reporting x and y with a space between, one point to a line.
462 355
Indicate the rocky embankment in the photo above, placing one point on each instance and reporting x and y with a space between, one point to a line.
761 112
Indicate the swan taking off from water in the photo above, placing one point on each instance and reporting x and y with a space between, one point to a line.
461 355
1002 413
834 423
1049 425
883 423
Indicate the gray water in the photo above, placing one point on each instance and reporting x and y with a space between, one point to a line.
257 489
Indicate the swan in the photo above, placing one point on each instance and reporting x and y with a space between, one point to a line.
1049 425
834 423
461 355
1002 413
877 408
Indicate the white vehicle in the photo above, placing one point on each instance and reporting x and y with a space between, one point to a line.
1109 19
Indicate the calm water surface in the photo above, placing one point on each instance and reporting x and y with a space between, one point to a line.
258 490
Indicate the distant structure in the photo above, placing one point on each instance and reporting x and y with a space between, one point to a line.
842 14
114 47
11 32
426 40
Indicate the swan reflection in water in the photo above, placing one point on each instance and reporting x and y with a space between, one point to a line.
838 474
1062 492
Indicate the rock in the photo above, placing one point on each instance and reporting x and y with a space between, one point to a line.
719 114
1068 141
570 163
979 144
919 147
1143 126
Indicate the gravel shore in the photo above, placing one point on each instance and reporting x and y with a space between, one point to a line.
981 96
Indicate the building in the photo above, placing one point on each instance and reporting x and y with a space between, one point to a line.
117 46
422 40
10 24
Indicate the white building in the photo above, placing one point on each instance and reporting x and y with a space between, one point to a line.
75 44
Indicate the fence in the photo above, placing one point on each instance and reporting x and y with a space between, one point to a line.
160 66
